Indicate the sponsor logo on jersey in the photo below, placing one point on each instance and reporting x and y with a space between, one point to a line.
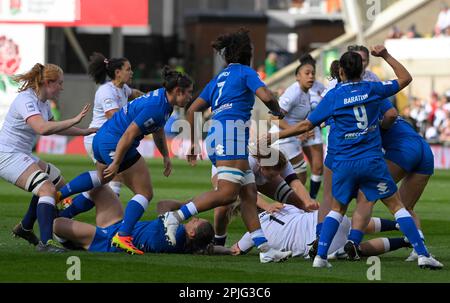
30 107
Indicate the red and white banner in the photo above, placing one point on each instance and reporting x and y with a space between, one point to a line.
75 12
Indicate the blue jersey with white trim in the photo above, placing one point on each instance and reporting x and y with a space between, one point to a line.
231 94
149 112
149 236
355 110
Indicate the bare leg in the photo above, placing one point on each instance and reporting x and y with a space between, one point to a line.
249 212
325 205
79 233
410 191
296 161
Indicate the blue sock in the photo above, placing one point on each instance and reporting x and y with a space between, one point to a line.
187 210
30 216
318 229
258 237
134 211
329 229
45 216
80 204
355 236
314 185
409 229
84 182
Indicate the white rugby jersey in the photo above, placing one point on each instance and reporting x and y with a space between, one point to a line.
108 97
290 229
315 93
259 178
16 135
296 103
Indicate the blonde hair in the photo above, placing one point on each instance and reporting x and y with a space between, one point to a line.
36 77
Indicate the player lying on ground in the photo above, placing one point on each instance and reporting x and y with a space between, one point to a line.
291 229
275 178
149 236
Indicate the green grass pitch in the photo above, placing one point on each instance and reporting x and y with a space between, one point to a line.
20 263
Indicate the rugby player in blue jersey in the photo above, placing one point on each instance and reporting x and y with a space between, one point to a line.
115 149
231 96
148 236
355 106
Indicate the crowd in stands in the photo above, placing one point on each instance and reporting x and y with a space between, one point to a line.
431 118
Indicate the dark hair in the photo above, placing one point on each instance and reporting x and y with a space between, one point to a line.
359 48
352 65
173 79
305 59
100 67
334 70
204 235
235 47
268 153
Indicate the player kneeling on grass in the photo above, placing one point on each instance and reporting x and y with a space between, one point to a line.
149 236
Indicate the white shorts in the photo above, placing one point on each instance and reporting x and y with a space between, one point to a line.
290 147
88 146
12 165
233 175
341 236
317 138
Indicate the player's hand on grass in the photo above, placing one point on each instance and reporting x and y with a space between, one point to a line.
235 250
167 166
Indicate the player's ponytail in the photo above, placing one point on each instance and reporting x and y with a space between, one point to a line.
235 47
173 79
37 76
351 63
100 67
305 59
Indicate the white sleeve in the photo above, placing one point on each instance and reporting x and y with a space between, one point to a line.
26 107
330 86
245 243
106 99
287 99
128 91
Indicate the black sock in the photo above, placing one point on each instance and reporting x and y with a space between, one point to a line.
397 243
30 217
220 240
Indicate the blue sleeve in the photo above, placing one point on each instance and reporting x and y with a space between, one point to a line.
385 89
386 105
206 93
323 111
147 118
252 80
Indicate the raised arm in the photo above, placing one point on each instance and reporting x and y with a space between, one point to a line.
45 128
404 77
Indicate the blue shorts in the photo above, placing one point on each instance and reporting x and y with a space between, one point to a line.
329 159
227 140
104 147
413 155
371 176
102 239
